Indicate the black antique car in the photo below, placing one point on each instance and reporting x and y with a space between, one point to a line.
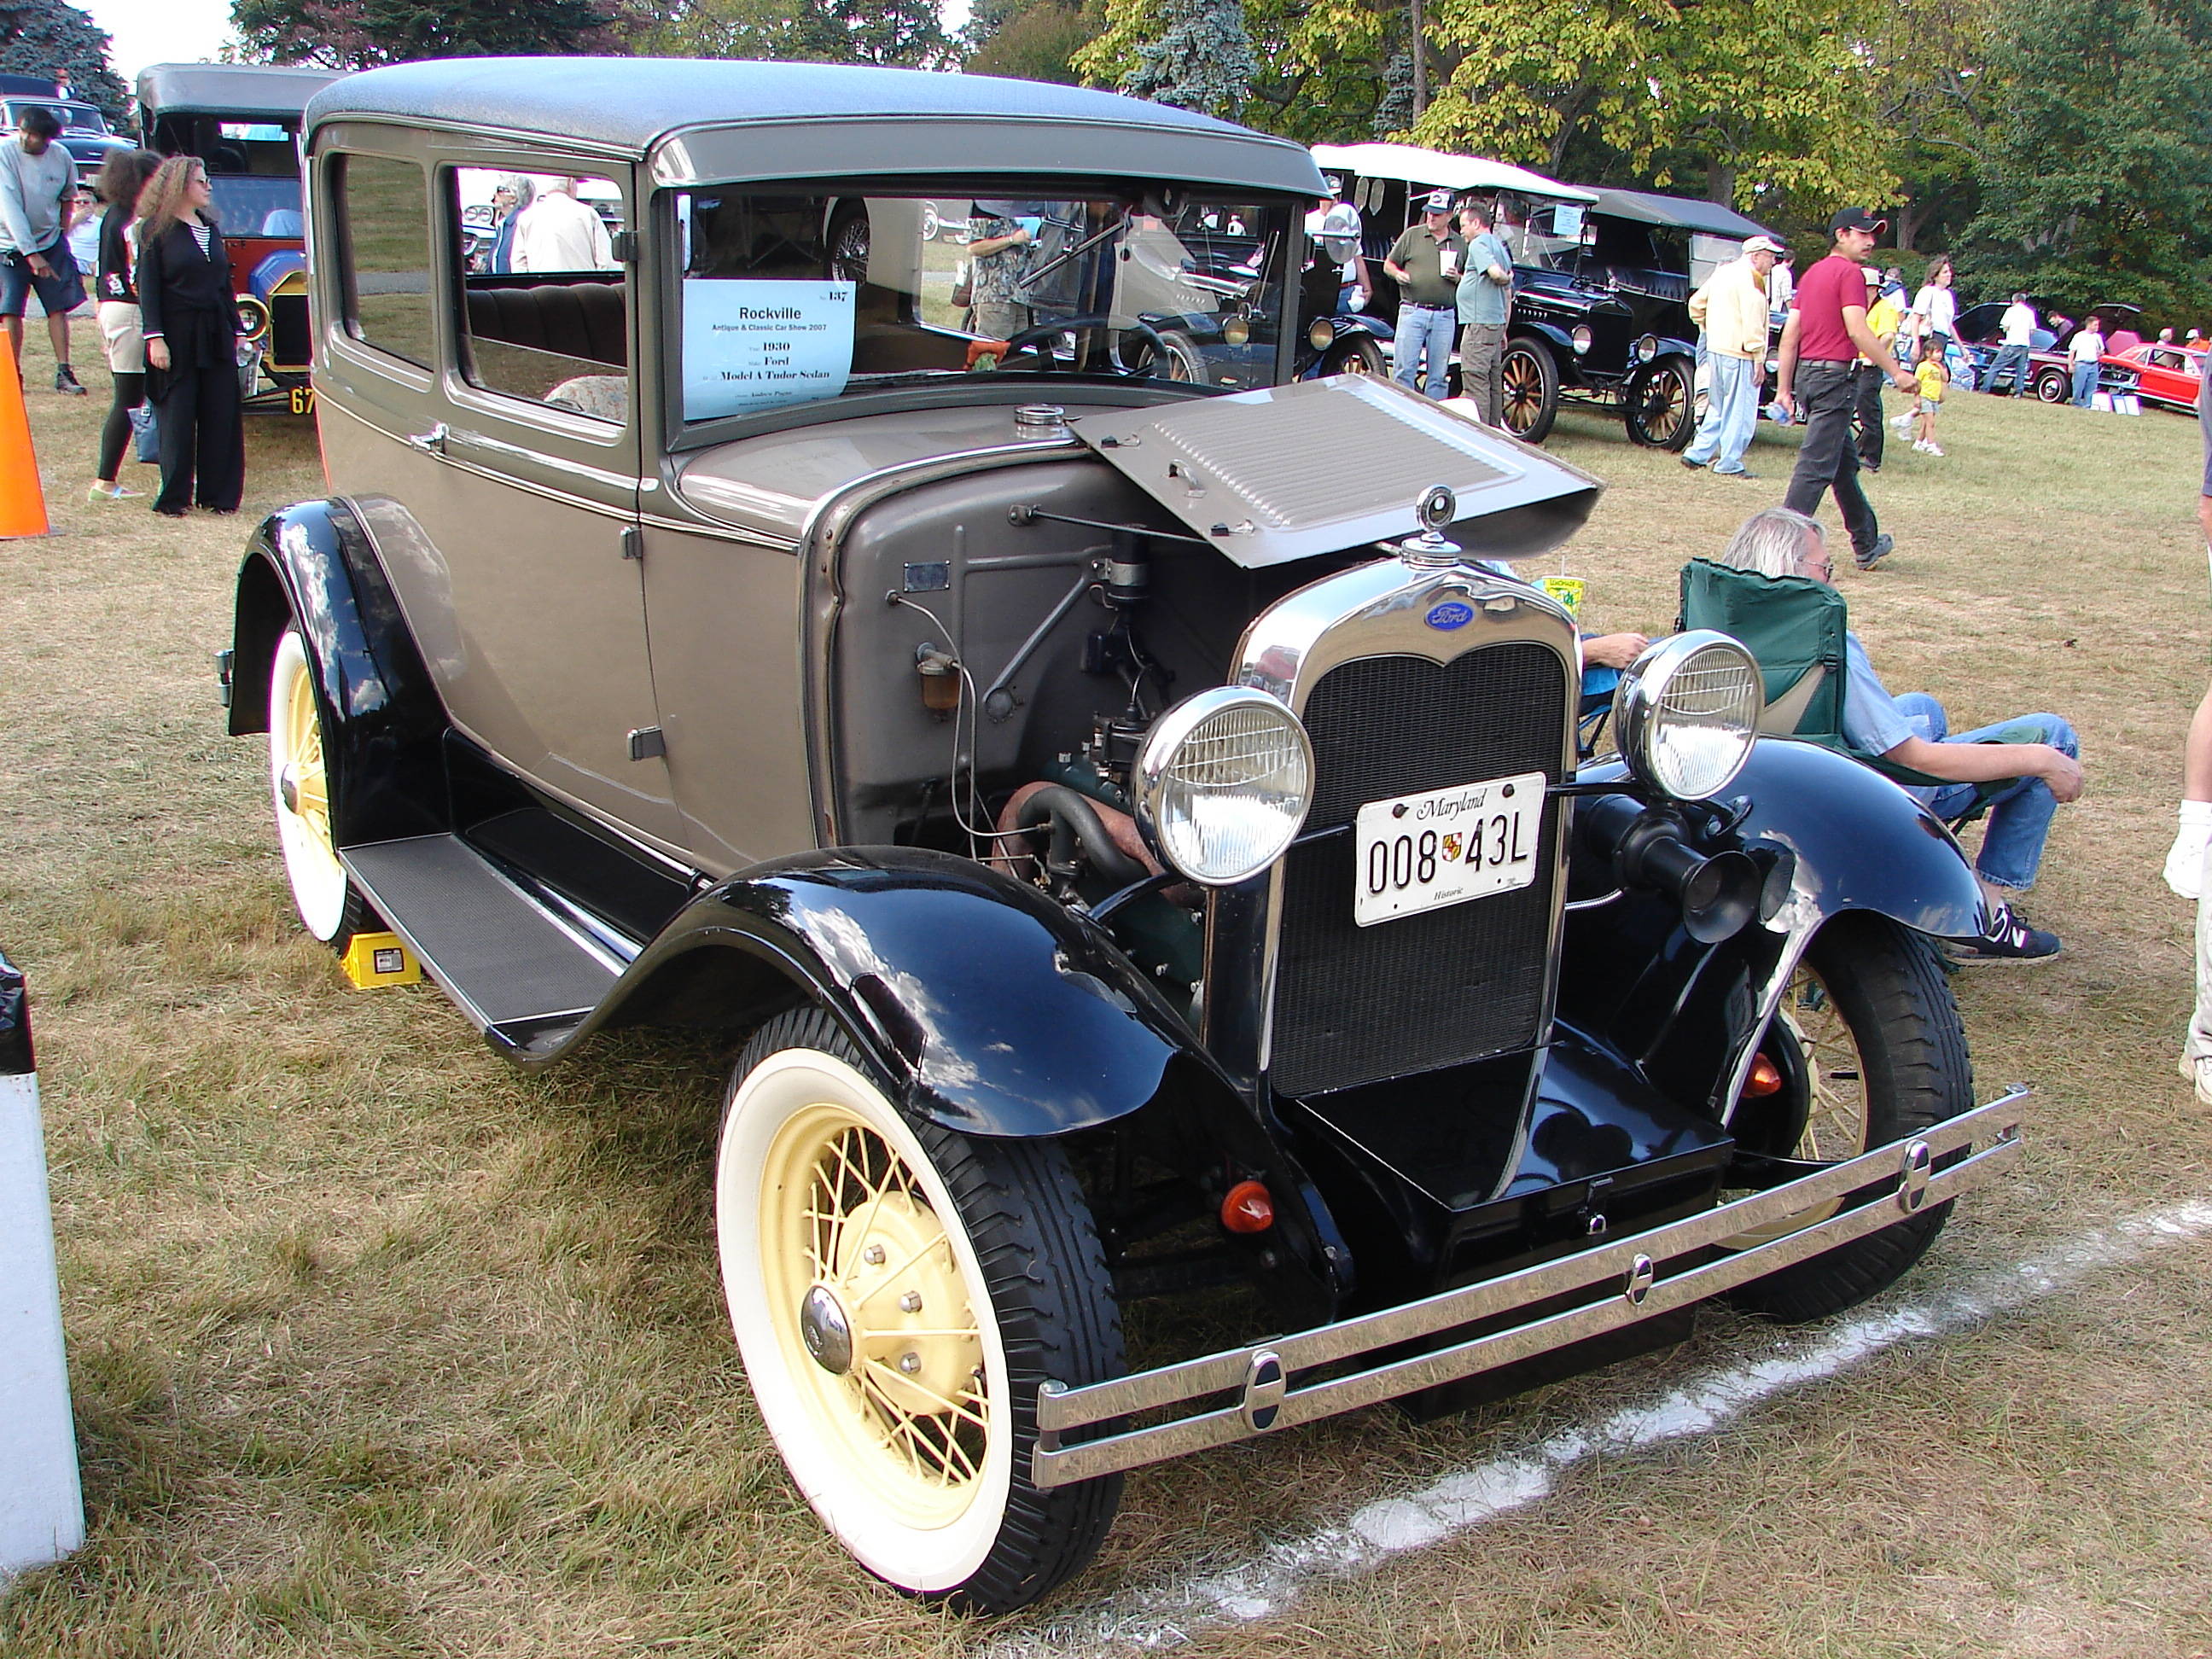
85 132
1135 829
243 121
1600 310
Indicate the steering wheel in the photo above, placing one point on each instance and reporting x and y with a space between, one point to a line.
1035 338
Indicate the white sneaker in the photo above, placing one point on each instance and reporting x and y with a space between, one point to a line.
1919 447
1931 449
2198 1071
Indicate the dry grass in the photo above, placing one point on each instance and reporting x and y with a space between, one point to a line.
381 1348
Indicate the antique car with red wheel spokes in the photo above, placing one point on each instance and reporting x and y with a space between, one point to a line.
1134 831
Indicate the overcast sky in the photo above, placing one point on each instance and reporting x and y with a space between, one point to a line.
188 31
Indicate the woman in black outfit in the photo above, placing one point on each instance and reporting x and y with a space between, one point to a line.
192 341
120 180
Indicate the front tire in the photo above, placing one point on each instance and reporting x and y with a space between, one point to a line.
301 778
1528 390
1661 413
1355 354
1871 1048
899 1294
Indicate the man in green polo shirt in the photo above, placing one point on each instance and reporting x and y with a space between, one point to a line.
1427 263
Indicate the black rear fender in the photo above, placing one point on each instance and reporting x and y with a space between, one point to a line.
312 563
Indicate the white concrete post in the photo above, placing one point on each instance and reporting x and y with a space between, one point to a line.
41 1504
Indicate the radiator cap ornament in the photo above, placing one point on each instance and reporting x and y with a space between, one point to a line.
1429 550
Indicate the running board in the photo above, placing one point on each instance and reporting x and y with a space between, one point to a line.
520 972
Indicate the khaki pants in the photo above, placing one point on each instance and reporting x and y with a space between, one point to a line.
1481 349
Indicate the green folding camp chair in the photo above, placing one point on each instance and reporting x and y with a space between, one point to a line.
1794 627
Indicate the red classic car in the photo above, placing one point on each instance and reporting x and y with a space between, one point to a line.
2167 374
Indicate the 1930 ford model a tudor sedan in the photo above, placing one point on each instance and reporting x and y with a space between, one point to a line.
1138 827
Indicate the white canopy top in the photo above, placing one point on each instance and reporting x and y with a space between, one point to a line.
1433 169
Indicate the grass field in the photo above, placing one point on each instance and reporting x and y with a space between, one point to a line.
381 1348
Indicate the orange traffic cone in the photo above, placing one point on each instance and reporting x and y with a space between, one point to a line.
22 502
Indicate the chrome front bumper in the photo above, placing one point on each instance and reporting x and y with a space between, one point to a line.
1242 1392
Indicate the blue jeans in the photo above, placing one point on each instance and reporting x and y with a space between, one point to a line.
2085 382
1731 415
1425 332
2014 357
2019 813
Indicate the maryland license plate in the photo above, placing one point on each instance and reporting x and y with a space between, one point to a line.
1424 852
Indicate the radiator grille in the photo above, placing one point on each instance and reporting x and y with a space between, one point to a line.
290 343
1353 1004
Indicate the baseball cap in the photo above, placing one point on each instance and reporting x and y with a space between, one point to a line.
1857 219
1763 245
1334 181
1440 201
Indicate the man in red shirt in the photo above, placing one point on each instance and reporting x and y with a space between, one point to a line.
1821 343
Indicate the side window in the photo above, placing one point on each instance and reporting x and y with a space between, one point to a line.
544 311
387 256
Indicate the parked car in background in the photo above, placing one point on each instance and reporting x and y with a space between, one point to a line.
2170 376
85 132
1134 827
1601 309
243 121
2050 369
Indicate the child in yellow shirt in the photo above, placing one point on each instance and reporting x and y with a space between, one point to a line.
1933 377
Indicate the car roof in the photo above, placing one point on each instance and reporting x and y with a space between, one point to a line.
245 91
1682 212
1441 170
701 119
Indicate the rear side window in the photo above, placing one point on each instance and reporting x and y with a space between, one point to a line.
384 232
544 310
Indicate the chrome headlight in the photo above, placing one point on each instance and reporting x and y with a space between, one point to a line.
1581 338
1223 783
254 315
1235 328
1322 335
1687 712
1647 348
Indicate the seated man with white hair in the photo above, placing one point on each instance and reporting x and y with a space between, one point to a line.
1912 731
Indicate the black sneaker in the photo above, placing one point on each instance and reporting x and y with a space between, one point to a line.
65 382
1693 465
2009 940
1882 548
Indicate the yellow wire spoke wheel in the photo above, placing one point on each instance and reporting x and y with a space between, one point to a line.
299 788
883 1352
1836 1115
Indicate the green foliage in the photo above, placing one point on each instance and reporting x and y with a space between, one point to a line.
47 38
2096 175
1036 43
1201 60
1748 104
904 33
1929 60
1318 71
361 33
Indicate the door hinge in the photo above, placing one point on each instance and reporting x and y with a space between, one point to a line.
646 742
633 542
623 243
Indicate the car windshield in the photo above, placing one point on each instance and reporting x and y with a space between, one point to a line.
74 117
799 297
251 204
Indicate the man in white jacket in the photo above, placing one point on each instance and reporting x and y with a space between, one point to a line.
557 232
1731 308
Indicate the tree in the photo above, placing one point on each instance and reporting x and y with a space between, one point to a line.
904 33
1037 43
1929 60
1319 67
48 38
361 33
2097 166
1740 102
1202 60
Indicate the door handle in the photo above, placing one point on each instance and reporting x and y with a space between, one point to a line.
432 442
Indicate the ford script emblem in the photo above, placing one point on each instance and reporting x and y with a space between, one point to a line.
1449 615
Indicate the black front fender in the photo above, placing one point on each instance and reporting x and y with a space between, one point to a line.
987 1007
1857 841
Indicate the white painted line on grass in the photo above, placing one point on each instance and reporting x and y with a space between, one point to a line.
1170 1612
